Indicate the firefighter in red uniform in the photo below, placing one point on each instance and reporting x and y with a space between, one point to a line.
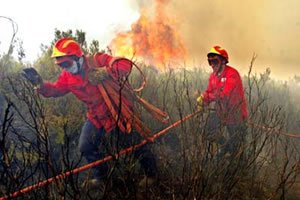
104 130
225 91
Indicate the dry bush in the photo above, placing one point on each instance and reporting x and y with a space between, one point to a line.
265 167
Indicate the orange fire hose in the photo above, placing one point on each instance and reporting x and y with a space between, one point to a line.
99 162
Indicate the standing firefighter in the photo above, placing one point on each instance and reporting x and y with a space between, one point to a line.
100 81
225 91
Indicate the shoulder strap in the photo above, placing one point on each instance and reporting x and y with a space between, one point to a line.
112 109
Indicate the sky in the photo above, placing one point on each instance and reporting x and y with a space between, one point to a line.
268 28
37 20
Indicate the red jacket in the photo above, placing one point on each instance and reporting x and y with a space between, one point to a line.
226 90
98 112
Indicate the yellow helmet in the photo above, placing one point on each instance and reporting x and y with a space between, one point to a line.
66 47
219 51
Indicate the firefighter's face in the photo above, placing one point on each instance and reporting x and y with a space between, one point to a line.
69 63
64 61
216 62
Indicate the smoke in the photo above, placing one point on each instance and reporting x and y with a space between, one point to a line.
268 28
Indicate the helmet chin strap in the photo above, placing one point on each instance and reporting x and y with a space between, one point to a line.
76 68
79 64
221 68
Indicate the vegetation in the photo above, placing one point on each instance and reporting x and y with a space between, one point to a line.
39 139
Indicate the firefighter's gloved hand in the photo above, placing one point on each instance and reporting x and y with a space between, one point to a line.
200 103
32 76
97 75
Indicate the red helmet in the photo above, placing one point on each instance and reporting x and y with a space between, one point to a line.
66 47
217 50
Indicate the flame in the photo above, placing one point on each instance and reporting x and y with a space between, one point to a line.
153 39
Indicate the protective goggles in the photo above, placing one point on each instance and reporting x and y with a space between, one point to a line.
213 61
64 62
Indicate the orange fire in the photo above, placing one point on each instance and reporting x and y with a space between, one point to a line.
153 39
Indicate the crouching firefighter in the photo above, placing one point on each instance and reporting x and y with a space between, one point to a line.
100 81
